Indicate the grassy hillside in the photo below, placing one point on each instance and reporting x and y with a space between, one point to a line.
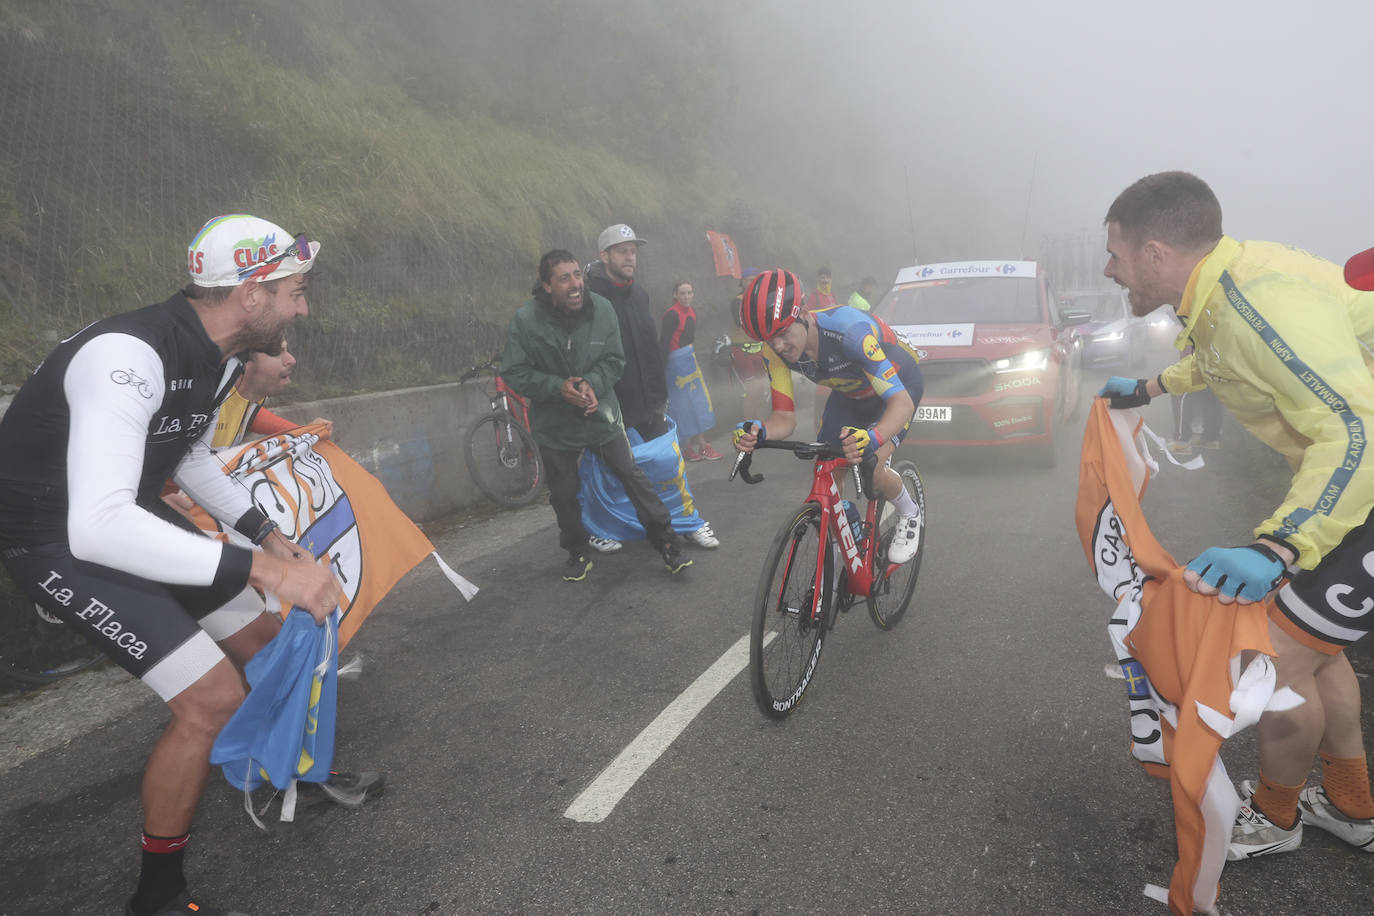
435 148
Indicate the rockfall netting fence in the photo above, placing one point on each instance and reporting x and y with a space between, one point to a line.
109 164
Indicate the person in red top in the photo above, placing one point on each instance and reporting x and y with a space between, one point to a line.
688 404
821 297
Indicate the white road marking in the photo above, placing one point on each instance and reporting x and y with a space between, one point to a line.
597 801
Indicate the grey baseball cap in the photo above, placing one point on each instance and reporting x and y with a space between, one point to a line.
614 235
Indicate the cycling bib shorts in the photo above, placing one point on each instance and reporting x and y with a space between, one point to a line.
1332 606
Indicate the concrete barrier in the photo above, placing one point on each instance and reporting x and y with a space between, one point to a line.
414 439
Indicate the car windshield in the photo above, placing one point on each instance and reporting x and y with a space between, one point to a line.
994 300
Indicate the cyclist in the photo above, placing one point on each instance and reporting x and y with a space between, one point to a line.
861 360
115 410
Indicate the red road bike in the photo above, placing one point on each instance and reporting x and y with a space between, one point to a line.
818 567
501 455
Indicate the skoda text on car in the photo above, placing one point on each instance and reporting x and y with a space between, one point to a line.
1113 338
999 361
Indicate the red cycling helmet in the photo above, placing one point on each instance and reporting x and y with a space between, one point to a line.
771 302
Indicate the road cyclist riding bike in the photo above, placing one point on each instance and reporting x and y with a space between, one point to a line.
872 373
819 564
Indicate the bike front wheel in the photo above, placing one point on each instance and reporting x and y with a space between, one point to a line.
503 460
791 616
894 587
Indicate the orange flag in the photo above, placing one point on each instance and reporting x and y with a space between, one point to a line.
324 501
725 253
1176 650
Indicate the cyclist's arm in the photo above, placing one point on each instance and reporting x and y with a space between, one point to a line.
201 475
782 421
863 344
105 452
269 424
1330 402
898 409
1179 378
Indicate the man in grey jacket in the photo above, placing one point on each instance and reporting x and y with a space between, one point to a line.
643 386
563 352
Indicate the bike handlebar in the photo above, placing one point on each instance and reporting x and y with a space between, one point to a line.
810 451
493 366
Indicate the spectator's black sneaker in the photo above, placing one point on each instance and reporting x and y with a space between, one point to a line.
577 567
673 559
183 904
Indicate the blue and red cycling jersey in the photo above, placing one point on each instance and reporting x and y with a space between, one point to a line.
859 357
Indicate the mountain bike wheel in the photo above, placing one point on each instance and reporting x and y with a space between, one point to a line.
893 592
503 460
36 648
785 640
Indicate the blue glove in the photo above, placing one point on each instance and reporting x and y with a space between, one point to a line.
1125 392
1248 572
742 429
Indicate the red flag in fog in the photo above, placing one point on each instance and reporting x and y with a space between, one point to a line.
726 255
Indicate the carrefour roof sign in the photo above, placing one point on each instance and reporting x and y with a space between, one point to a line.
951 270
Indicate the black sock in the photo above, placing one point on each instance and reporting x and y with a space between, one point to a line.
161 877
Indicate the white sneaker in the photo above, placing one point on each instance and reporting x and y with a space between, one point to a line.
704 537
1254 835
906 539
1316 809
604 545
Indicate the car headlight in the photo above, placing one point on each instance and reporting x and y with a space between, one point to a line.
1028 361
1109 337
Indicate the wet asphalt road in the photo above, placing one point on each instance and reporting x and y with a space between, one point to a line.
973 760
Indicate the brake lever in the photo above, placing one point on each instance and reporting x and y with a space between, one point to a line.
741 467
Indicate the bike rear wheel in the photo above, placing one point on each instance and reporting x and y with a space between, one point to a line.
893 591
503 460
36 648
790 617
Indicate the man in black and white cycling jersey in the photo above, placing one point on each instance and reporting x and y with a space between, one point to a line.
85 448
873 375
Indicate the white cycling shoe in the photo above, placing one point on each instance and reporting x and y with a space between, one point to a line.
604 545
704 537
906 539
1254 835
1317 811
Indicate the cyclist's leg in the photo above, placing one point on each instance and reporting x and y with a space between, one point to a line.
143 629
242 626
840 412
1311 622
236 620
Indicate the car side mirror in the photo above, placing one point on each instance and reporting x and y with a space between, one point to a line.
1070 317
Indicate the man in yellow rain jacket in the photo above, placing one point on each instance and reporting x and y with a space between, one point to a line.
1282 341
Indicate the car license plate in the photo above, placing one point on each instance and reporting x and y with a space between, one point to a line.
941 414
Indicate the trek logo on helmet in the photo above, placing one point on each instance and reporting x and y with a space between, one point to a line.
777 303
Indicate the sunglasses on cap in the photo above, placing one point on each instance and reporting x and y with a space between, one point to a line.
299 248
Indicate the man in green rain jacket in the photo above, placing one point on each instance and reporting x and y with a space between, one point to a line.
563 353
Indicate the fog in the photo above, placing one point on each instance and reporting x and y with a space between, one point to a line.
1013 120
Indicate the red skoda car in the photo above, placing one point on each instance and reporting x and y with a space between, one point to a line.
1001 363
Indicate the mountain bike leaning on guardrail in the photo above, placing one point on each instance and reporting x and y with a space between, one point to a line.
37 648
817 567
501 454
